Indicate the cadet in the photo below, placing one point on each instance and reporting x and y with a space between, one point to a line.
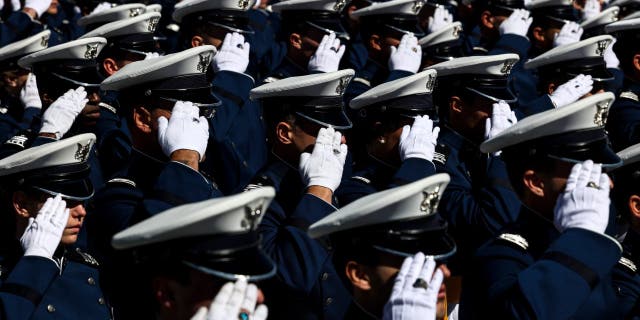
625 112
101 16
21 23
389 31
62 19
169 138
307 161
556 261
19 96
472 98
394 138
442 45
373 235
504 26
314 37
44 274
237 127
184 255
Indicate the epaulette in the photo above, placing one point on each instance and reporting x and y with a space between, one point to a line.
361 179
108 107
122 181
363 81
259 182
628 265
629 95
516 239
441 153
80 256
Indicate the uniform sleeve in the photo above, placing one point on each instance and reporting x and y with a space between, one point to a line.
511 43
18 26
540 104
623 123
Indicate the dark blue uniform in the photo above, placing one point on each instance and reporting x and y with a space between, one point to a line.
17 27
39 288
479 200
531 271
308 286
63 25
14 118
266 52
623 123
286 69
626 276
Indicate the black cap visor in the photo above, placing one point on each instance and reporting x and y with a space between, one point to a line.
70 181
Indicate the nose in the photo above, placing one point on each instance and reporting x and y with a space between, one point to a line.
78 212
94 97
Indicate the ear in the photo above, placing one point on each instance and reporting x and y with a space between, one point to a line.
455 104
551 87
636 62
162 292
197 41
19 202
142 119
533 182
357 275
375 42
284 132
634 207
110 66
486 19
538 34
295 41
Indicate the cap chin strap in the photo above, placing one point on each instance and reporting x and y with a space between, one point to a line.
341 35
404 254
484 95
64 196
84 84
327 125
231 29
233 276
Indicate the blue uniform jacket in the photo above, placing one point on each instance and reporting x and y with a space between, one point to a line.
479 200
624 117
626 276
15 118
63 25
307 285
17 27
39 288
531 271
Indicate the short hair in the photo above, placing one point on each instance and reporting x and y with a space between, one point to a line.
520 159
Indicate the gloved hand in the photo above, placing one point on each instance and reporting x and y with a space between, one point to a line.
40 6
151 55
419 140
407 56
61 114
323 167
29 95
15 4
327 56
518 23
501 118
185 130
441 18
591 9
43 233
610 58
570 33
233 54
231 301
101 7
585 200
414 300
572 90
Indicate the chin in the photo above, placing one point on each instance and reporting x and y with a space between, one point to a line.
69 239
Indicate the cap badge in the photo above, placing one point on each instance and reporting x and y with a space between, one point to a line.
134 12
430 83
92 51
602 112
430 202
153 23
44 41
602 46
252 217
203 64
83 152
340 4
508 65
243 4
417 6
344 81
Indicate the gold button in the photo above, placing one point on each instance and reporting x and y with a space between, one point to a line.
325 276
328 301
101 301
91 281
51 308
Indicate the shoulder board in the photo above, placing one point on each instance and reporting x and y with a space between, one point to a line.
361 179
628 264
515 239
363 81
480 50
441 153
123 181
80 256
629 95
108 107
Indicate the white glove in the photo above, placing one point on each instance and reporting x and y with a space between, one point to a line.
185 130
29 95
40 6
101 7
419 140
151 55
610 58
323 167
233 54
501 118
518 23
570 33
585 200
572 90
61 114
43 233
15 4
441 18
327 56
231 300
409 300
407 56
591 9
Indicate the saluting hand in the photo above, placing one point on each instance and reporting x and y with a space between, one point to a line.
185 130
234 301
61 114
419 140
43 233
323 167
327 56
233 55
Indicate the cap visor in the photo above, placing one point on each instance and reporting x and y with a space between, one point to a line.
251 263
